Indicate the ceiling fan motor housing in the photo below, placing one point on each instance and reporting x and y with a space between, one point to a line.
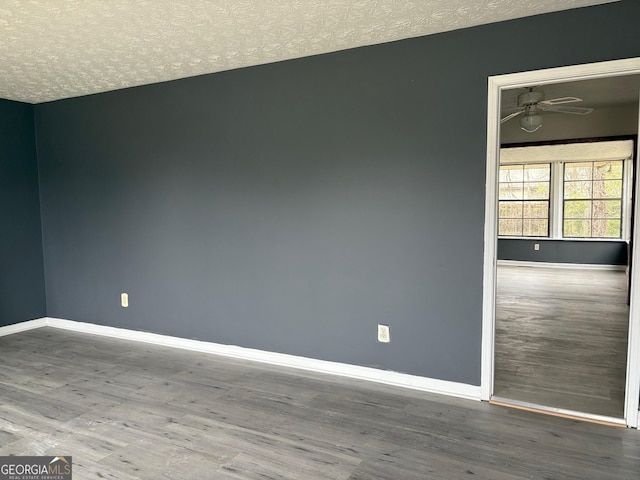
530 98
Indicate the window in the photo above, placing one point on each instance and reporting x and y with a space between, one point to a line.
566 190
524 200
592 200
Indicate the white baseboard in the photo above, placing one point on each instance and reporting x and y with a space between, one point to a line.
580 266
23 326
404 380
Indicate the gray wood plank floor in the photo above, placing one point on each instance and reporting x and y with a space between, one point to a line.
561 338
127 410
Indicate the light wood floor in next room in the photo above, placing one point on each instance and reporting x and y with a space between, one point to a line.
127 410
561 338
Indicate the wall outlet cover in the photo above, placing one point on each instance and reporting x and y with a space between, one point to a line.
384 333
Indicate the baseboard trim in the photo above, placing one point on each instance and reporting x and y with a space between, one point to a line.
580 266
23 326
396 379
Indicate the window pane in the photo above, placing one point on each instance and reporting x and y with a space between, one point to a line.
510 209
577 190
536 227
511 191
510 227
607 189
536 210
537 173
577 209
606 229
577 228
511 173
607 209
578 171
536 190
607 170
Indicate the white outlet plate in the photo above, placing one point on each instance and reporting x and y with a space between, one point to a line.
536 246
124 299
384 333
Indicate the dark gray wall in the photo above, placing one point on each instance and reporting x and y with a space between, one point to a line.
291 207
22 294
564 251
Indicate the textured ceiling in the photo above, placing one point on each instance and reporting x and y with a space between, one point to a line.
52 49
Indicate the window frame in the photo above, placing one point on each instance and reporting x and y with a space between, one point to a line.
592 198
524 200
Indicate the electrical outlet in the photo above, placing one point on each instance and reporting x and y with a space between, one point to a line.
536 246
384 333
124 299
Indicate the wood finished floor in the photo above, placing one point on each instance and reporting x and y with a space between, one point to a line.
127 410
561 338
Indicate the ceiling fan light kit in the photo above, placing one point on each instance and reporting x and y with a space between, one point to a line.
531 122
532 102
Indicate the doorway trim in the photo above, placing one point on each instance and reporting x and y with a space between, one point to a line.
496 84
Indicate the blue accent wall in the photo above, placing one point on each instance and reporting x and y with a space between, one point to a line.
291 207
22 293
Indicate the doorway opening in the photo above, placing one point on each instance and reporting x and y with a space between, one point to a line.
628 405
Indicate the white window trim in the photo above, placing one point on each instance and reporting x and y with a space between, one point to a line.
557 205
627 200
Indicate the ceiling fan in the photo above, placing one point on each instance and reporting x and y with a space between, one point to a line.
532 103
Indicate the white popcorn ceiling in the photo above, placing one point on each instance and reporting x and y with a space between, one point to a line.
53 49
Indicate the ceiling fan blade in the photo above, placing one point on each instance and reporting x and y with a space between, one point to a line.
558 101
573 110
511 115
